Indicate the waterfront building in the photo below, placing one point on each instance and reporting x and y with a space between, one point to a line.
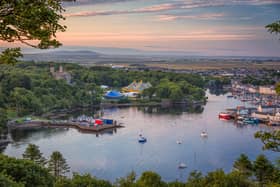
267 90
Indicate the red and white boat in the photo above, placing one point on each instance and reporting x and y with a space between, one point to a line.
225 116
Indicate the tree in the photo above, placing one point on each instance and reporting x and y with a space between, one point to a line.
33 153
274 27
277 88
87 180
3 120
263 170
150 178
195 179
57 165
7 181
33 23
25 171
271 140
243 165
127 181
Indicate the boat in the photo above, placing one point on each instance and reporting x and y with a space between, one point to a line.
223 115
142 139
179 142
182 166
230 96
203 134
251 121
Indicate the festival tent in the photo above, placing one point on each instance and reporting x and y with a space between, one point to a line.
113 95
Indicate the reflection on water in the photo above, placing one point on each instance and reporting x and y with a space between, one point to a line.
217 92
114 154
177 109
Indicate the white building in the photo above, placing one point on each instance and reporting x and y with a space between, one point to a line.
267 90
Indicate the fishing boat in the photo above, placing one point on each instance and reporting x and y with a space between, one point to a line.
182 166
203 134
225 116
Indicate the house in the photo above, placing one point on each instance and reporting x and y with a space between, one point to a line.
267 90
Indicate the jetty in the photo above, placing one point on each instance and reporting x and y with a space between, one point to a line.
33 124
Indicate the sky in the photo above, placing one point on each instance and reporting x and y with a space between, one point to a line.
194 27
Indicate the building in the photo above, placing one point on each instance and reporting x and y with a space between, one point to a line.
267 90
137 87
60 74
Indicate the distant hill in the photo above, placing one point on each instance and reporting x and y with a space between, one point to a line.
80 56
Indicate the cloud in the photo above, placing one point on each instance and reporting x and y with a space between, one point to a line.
87 2
174 5
170 17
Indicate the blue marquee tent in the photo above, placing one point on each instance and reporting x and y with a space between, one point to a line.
113 95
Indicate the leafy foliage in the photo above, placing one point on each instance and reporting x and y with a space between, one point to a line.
7 181
9 56
28 20
3 120
25 172
33 153
274 27
271 140
243 165
263 169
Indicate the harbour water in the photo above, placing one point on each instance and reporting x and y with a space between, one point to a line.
115 153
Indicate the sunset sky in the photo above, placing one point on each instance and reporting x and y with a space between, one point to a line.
196 27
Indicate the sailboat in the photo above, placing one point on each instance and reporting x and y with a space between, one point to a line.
142 139
182 165
204 134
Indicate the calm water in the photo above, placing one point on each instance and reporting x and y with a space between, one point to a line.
114 154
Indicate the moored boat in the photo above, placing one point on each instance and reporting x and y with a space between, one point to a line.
203 134
142 139
223 115
182 166
252 121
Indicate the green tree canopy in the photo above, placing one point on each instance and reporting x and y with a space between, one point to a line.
32 152
33 23
263 170
274 27
25 171
58 165
243 165
271 140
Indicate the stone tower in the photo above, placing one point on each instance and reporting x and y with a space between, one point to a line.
52 69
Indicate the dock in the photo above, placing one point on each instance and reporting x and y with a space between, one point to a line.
63 124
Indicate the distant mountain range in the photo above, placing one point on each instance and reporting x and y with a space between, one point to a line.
82 56
89 55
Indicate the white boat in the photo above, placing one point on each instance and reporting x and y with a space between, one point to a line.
179 142
182 166
203 134
142 139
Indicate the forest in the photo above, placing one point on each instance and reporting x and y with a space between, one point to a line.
28 88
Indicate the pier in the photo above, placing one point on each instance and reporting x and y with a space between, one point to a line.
63 124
